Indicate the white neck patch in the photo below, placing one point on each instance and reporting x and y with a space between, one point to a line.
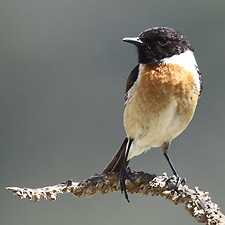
186 60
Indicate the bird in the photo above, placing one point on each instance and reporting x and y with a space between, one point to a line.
161 96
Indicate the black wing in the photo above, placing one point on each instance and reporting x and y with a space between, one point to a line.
131 80
200 79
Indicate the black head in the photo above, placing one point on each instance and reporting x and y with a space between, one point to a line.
158 43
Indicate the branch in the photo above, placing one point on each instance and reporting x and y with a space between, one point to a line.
197 203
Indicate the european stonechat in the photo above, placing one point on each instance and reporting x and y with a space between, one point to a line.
162 92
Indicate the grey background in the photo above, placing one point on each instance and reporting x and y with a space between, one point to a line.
63 73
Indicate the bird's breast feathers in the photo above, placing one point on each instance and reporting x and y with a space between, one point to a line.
163 99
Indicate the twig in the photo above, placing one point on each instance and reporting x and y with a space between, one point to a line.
197 203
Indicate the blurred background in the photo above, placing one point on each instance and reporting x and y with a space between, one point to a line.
63 73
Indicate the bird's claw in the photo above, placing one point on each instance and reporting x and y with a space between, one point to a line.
175 184
124 175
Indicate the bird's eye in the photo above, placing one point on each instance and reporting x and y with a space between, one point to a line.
163 41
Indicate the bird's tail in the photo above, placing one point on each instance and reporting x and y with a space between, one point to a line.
116 163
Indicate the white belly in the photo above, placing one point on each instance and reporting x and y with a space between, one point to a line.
162 128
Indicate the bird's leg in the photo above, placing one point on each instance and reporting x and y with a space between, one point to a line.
124 171
165 148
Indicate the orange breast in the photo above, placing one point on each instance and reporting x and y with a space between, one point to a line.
156 88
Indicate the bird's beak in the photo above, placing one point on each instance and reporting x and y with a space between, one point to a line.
134 40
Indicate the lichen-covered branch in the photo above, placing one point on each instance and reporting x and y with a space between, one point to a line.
197 203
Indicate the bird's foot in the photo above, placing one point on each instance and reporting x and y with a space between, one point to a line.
180 181
175 182
124 175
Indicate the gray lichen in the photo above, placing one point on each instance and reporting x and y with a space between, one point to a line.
197 203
